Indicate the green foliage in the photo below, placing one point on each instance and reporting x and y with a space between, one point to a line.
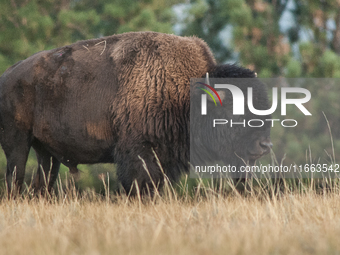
206 20
294 69
27 27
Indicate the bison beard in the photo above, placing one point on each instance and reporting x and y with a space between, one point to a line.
112 100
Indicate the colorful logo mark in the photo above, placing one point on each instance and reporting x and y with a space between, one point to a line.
208 92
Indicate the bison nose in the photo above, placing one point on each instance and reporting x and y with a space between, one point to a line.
266 145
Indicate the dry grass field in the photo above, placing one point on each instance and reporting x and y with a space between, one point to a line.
257 222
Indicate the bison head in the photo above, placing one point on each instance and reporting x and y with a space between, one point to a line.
222 134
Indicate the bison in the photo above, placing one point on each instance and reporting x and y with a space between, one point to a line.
115 99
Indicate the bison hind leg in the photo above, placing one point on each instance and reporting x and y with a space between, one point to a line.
47 172
16 146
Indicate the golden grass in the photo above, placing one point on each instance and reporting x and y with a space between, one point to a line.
292 223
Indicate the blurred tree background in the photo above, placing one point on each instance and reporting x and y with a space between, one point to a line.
276 38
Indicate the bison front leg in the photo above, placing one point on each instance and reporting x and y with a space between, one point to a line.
138 171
